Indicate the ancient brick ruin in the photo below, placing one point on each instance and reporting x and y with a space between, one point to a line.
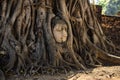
110 25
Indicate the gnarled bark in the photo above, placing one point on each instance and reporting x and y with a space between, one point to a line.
29 43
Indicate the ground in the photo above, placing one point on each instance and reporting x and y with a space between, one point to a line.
99 73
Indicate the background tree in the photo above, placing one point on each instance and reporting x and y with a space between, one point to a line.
110 7
113 7
103 3
29 41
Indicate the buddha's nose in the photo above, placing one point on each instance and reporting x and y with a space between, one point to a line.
64 33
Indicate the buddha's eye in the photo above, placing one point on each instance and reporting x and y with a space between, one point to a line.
59 29
64 27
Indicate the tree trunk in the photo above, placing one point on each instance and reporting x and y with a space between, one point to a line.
47 35
2 77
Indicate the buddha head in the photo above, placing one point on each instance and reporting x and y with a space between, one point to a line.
59 29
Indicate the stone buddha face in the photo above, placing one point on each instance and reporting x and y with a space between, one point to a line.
60 31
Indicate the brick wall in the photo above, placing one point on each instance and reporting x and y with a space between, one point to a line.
110 25
110 21
111 28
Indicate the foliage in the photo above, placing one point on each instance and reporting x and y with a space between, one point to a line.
110 7
103 3
113 7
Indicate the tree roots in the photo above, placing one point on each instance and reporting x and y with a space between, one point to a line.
27 40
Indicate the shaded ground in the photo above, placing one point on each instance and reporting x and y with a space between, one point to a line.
100 73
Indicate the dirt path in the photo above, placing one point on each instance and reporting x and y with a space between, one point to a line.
100 73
